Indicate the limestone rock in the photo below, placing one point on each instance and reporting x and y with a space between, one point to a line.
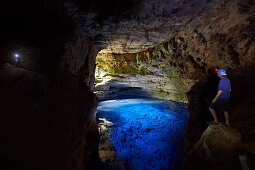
115 85
154 22
218 148
241 110
79 58
204 43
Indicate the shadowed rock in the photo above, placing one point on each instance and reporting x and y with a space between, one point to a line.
218 148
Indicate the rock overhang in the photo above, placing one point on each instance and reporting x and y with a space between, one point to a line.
152 23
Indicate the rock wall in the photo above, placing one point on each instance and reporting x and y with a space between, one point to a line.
221 37
158 72
47 122
140 26
184 46
206 42
222 42
36 34
182 42
47 108
227 42
79 58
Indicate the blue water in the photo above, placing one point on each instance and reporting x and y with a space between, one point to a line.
147 133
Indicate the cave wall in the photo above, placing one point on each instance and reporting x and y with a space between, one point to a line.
47 122
58 62
156 66
222 37
207 42
34 32
79 58
132 31
222 42
47 109
227 42
241 121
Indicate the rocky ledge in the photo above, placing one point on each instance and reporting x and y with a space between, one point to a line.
218 148
110 86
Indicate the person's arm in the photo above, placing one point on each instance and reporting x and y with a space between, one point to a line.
216 97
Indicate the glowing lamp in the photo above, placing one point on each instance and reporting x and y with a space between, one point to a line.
16 57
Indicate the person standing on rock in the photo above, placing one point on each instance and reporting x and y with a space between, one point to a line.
221 100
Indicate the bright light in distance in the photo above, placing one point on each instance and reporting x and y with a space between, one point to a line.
102 75
16 57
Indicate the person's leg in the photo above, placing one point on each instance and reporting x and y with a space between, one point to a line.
227 118
214 114
225 108
212 109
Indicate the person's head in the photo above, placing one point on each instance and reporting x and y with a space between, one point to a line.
221 73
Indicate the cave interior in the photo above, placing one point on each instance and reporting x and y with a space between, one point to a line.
60 58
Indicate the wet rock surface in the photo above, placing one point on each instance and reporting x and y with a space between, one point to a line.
107 151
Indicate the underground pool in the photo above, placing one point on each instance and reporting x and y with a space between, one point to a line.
144 133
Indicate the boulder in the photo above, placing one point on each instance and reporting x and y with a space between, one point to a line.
218 148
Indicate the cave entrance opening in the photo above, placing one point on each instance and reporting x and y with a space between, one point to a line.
138 129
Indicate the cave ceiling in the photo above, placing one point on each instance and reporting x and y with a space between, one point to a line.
135 28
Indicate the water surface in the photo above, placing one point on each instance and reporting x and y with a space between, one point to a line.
146 133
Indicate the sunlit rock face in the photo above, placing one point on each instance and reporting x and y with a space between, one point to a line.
117 85
179 40
207 41
149 72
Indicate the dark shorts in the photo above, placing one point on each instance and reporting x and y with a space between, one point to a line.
222 104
